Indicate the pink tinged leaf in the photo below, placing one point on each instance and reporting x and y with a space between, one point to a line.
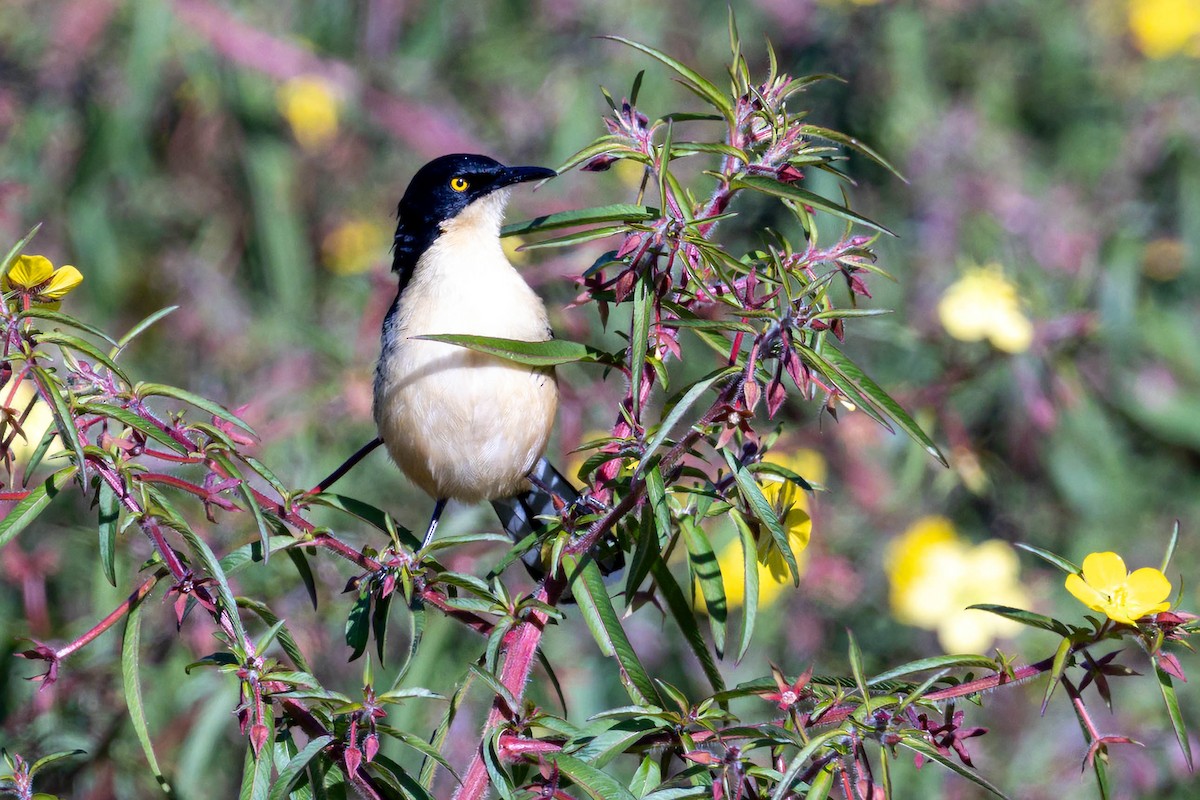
600 163
623 285
1170 665
776 394
258 737
371 746
838 326
702 757
788 174
389 585
353 758
752 392
631 243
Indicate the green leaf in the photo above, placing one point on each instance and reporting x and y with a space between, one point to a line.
39 312
16 250
32 505
933 662
291 774
929 751
379 624
762 509
429 768
137 329
587 586
1069 567
52 758
639 342
358 624
883 400
789 191
64 421
692 79
286 640
1024 617
1171 547
110 514
256 772
704 569
596 784
300 562
193 399
83 346
750 582
366 512
575 237
1056 670
130 675
853 143
681 407
1168 693
798 762
685 618
618 212
533 354
135 421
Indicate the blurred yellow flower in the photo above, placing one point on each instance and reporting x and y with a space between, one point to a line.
37 277
983 303
1106 586
34 427
311 108
934 575
512 249
773 573
1162 28
353 247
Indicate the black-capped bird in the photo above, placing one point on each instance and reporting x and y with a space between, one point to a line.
464 425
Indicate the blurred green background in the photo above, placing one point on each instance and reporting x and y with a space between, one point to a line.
243 161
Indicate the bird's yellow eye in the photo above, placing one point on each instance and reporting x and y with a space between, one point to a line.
459 184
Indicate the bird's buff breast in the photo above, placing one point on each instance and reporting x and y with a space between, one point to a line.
460 424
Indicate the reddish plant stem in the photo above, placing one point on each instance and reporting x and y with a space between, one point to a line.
100 627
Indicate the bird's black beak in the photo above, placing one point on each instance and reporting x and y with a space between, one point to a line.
506 176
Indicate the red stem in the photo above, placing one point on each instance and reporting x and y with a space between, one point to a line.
106 623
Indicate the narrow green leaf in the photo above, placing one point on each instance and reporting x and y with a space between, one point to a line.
1056 670
929 751
300 562
762 509
685 618
256 772
587 586
16 250
704 569
596 784
853 143
83 346
1171 546
429 768
193 399
933 662
856 668
137 329
64 421
639 342
1172 702
681 407
618 212
52 758
694 80
379 624
286 640
130 675
291 774
358 624
534 354
1069 567
39 452
883 400
750 583
1024 617
575 237
790 191
28 509
799 761
135 421
498 688
110 513
39 312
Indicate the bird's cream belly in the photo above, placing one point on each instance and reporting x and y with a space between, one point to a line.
463 425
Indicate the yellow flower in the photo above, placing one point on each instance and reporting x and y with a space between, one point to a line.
1107 587
773 572
311 108
352 247
983 304
1162 28
36 277
934 575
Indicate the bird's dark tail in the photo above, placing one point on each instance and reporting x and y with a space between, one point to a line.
519 516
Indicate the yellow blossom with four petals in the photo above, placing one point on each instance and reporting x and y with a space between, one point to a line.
311 107
1106 586
36 277
1163 28
984 304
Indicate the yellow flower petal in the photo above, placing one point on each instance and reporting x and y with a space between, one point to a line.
1162 28
311 108
1105 572
1085 593
28 272
63 280
1149 589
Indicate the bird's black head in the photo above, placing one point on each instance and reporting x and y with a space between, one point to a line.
440 191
